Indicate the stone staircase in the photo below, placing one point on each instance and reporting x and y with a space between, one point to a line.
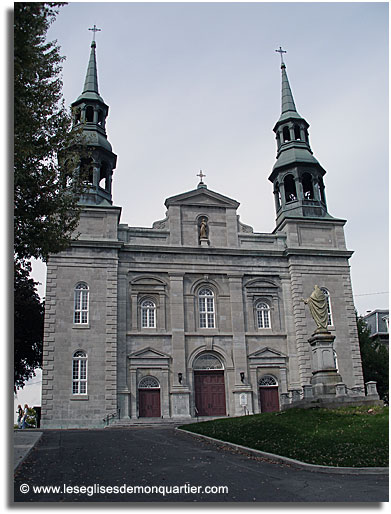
156 422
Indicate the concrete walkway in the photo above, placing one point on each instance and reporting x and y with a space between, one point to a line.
24 441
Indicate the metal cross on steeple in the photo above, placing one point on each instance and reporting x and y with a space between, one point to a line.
281 51
94 30
201 175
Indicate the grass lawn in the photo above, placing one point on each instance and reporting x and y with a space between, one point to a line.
347 436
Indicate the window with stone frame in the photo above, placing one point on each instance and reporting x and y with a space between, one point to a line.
206 305
79 373
148 314
329 311
81 304
262 311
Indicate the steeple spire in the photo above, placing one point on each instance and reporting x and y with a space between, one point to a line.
287 102
90 111
91 81
297 176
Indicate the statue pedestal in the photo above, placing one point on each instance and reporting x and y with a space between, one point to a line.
325 376
204 242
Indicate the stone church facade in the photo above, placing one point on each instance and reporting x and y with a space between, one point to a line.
197 315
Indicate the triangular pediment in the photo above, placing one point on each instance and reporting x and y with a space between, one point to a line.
266 353
148 353
202 196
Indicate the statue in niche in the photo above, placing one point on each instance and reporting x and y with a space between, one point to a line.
204 229
317 303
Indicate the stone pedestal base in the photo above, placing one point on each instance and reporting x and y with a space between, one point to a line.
325 376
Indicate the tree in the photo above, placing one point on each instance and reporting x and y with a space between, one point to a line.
28 331
374 358
46 187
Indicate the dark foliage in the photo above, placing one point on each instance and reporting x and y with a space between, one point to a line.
374 357
28 327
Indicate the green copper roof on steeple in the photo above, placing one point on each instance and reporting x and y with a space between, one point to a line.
91 82
90 89
287 102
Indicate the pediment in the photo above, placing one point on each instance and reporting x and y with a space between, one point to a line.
202 196
148 353
267 353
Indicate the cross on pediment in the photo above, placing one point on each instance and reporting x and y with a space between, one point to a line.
201 175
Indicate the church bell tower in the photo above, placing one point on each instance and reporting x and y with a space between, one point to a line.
90 112
297 176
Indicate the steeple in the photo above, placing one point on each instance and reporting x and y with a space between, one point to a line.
297 176
90 112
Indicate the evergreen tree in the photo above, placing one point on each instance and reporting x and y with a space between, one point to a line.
46 187
374 358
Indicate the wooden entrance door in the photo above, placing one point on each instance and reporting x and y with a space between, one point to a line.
209 390
149 403
269 399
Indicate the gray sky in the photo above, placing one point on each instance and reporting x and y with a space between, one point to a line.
197 86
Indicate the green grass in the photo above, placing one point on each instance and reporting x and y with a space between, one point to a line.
348 436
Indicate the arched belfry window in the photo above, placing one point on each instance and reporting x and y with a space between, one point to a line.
263 315
308 189
290 189
148 314
206 304
81 304
79 372
297 132
329 312
89 114
207 361
286 135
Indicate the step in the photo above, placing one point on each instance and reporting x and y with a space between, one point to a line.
157 422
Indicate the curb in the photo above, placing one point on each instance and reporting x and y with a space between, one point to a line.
292 462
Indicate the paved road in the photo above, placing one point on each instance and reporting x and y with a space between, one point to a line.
161 457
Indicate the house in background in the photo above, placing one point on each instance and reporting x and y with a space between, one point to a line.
377 322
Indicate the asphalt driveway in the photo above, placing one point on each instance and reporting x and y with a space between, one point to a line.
162 465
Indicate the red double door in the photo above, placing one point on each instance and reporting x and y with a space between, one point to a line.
268 397
209 391
149 403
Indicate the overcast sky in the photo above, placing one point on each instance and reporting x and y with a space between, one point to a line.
197 86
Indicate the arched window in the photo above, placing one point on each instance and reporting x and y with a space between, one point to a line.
207 361
79 372
329 312
80 314
267 381
149 383
263 315
206 308
90 114
297 132
286 136
308 189
148 314
290 189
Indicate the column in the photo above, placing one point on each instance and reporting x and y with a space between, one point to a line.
179 393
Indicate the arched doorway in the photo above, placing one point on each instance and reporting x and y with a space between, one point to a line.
209 386
268 394
149 398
